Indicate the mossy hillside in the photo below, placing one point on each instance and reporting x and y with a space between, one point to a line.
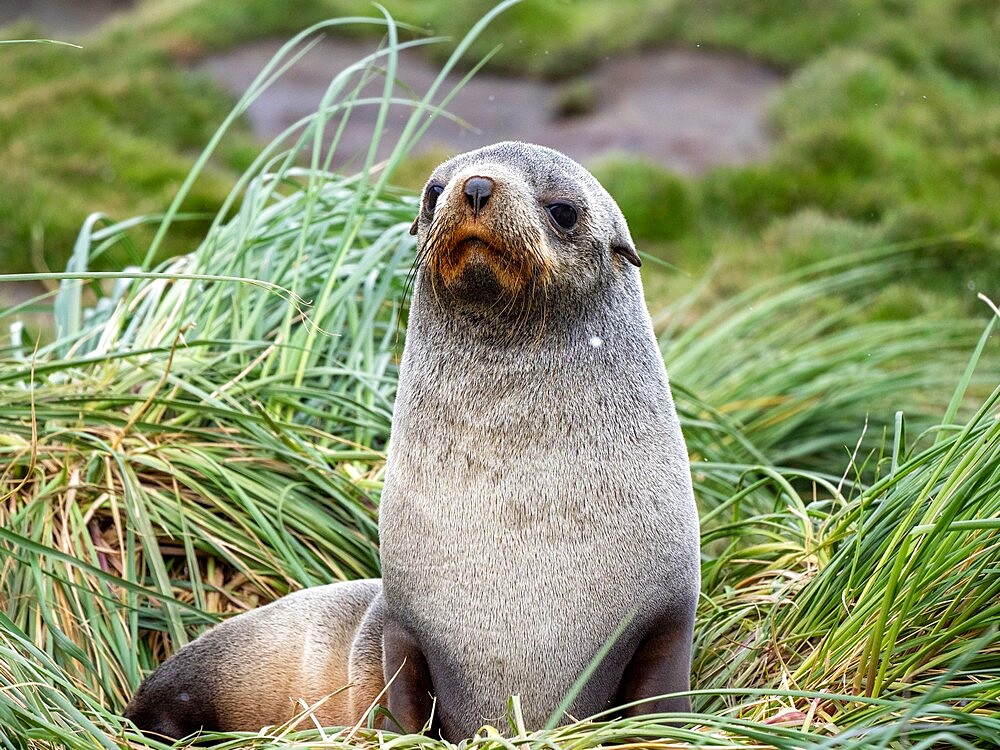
876 154
957 37
657 203
889 126
114 128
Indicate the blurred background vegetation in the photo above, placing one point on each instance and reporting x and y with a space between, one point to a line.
885 129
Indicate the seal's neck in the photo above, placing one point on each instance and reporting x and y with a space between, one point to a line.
561 349
516 325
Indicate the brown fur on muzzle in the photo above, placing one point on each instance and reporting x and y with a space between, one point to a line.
512 250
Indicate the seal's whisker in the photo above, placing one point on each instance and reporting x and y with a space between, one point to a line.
543 311
410 279
527 300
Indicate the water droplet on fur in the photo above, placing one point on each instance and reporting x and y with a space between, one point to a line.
596 341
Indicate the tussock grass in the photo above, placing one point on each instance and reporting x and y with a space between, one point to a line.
206 435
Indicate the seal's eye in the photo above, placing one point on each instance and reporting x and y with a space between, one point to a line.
563 214
431 196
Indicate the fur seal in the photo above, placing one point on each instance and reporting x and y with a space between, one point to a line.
537 502
537 497
251 671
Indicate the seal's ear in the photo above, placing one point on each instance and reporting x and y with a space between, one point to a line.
621 239
628 253
413 226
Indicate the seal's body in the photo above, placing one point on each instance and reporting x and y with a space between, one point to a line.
537 501
253 670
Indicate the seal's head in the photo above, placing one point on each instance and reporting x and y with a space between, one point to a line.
509 220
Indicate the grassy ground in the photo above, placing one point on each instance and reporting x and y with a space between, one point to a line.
887 131
209 436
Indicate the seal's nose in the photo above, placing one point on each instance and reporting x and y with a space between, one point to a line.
477 192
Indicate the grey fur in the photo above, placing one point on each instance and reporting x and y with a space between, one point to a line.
251 671
537 491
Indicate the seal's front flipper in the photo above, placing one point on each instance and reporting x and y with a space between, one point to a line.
408 680
661 665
